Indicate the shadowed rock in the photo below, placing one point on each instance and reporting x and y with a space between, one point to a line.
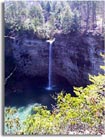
74 57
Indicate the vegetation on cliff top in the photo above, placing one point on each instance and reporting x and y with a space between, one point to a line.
45 18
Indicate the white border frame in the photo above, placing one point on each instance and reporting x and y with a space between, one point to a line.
1 97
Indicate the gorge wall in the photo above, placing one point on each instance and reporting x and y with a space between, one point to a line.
74 57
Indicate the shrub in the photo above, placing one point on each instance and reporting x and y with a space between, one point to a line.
82 113
12 122
87 109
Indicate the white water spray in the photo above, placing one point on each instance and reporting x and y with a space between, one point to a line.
50 64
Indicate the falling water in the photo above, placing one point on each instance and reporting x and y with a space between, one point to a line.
50 64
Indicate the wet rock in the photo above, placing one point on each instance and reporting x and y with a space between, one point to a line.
74 57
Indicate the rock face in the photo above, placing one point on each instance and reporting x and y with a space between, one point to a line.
74 57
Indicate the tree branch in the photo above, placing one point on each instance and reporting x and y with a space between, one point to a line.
9 76
10 37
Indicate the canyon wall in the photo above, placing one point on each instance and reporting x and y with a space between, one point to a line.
74 57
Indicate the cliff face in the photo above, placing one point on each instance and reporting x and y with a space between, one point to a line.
73 57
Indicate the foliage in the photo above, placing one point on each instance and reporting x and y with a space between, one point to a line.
86 109
75 27
36 16
67 20
15 14
65 16
12 123
23 16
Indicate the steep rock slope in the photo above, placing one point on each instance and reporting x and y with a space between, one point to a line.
74 57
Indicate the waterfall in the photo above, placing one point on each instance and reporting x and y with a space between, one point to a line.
50 64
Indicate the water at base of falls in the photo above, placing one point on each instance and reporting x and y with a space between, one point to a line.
49 88
53 87
22 113
24 93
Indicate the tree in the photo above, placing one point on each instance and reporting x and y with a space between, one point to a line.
65 16
75 26
15 14
57 14
67 20
93 14
36 17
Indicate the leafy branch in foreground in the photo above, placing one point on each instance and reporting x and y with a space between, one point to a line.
72 115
